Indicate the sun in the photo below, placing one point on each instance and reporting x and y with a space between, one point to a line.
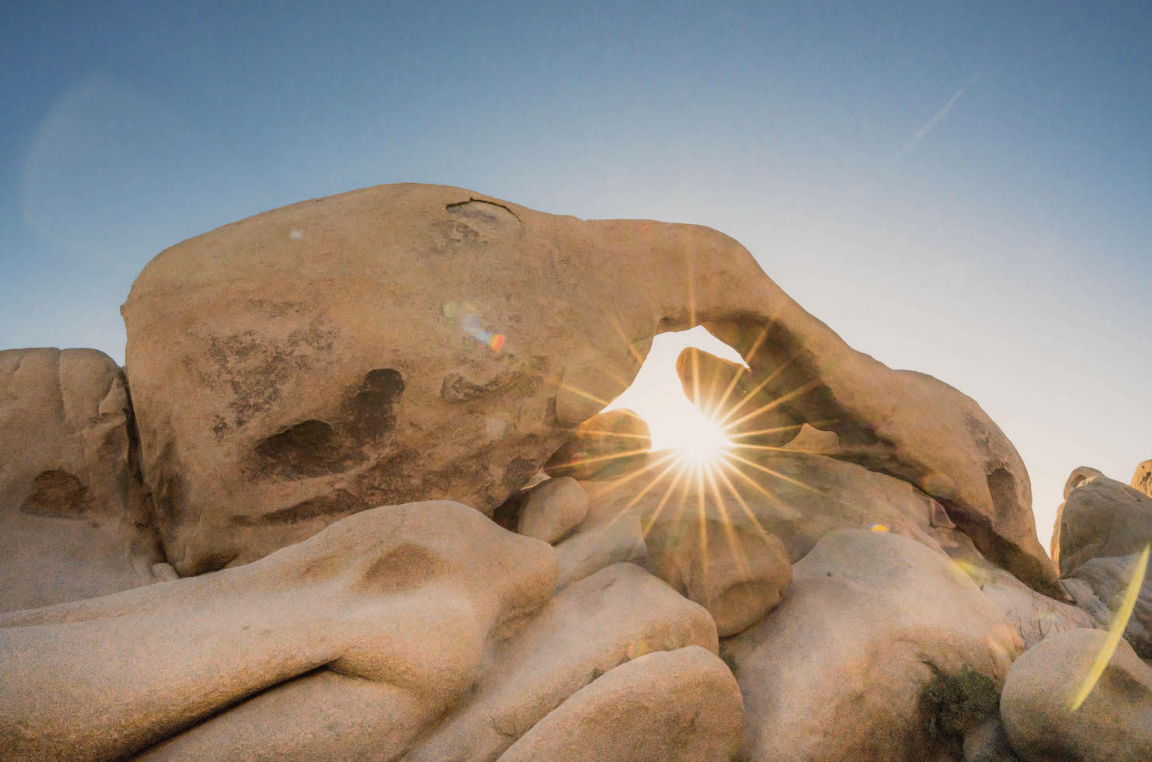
698 440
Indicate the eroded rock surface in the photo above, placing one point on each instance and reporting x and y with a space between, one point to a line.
917 429
460 339
676 706
867 657
1113 724
592 626
348 645
73 521
1106 580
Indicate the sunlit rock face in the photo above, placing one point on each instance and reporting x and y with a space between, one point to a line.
1142 479
1113 724
73 522
882 650
1100 517
409 342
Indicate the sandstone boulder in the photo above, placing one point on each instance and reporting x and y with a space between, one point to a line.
882 650
592 626
1100 517
73 520
459 340
1142 479
606 446
1115 721
551 509
677 706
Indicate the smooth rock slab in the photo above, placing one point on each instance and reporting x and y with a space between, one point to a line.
677 706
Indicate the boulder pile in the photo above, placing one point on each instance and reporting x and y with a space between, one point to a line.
352 497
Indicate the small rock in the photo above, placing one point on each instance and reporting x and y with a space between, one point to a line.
550 510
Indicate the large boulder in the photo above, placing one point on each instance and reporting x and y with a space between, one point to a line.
410 342
677 706
1100 517
73 519
592 626
1114 724
922 431
606 446
882 650
549 510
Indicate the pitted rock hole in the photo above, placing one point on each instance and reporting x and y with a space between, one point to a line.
309 448
373 407
1002 487
484 215
58 494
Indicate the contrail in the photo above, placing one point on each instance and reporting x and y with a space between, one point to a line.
940 116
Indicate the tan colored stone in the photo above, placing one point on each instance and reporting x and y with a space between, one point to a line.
1100 517
73 521
839 670
551 509
348 645
1142 478
606 446
592 626
679 706
1113 725
395 296
585 553
725 562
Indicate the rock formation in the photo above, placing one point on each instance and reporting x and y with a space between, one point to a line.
73 520
1115 722
361 503
460 338
840 669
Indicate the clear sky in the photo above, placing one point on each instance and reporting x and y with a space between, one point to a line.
963 189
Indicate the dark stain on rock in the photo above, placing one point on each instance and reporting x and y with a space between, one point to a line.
404 567
306 449
58 494
457 388
519 472
339 502
255 367
373 408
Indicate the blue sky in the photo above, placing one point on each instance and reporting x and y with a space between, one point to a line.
962 189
